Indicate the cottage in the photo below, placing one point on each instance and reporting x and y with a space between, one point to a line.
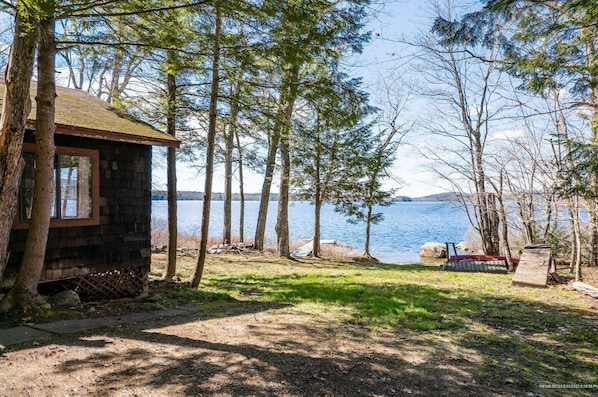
99 236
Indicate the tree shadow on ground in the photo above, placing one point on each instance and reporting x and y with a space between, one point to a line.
201 367
514 343
441 343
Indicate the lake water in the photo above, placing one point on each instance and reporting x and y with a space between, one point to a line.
398 238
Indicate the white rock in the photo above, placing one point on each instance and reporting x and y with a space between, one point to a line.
433 250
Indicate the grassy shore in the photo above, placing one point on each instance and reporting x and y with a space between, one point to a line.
525 338
326 327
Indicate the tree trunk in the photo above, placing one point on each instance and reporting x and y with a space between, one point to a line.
15 109
368 227
230 139
260 229
592 61
288 94
170 270
494 224
25 288
592 209
551 223
228 184
315 251
113 93
505 227
526 212
241 190
476 152
573 199
207 199
484 216
282 220
576 243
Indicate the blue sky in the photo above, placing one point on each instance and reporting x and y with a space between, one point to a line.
380 60
381 57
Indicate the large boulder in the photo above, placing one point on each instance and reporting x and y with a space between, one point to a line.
66 298
433 250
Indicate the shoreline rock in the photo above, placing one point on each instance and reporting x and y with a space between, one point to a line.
433 250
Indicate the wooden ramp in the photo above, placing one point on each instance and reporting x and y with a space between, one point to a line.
533 267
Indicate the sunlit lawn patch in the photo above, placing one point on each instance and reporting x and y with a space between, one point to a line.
525 336
522 337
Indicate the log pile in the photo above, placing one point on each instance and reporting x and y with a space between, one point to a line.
586 289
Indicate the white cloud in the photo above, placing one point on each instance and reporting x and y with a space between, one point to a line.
506 134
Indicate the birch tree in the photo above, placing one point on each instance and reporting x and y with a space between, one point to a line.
462 85
552 47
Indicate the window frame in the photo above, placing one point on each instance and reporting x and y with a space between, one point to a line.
20 223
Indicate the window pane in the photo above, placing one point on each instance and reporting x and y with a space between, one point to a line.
75 186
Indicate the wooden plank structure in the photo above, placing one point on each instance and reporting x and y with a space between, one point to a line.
533 267
470 263
108 255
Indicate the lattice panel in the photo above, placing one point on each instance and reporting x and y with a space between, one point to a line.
113 284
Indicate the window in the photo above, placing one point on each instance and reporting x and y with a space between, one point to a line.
76 190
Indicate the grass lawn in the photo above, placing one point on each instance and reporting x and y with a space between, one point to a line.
543 341
266 326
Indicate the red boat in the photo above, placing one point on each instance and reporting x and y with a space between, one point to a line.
481 258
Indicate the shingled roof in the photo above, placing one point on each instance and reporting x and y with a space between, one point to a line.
82 114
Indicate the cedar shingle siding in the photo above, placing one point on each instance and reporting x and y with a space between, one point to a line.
122 239
111 258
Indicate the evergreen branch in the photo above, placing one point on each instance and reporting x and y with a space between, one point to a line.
135 12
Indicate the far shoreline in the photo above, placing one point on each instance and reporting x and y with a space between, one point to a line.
161 195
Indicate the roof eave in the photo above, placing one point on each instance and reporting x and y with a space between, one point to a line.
111 136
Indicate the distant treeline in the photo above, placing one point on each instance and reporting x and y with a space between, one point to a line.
450 196
432 197
185 195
